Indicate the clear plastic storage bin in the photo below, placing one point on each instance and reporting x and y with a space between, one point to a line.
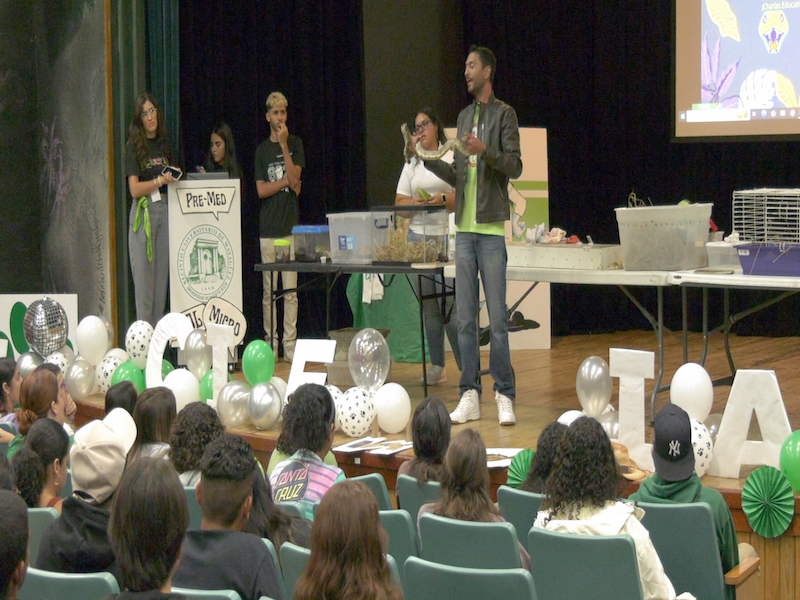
351 238
311 243
405 235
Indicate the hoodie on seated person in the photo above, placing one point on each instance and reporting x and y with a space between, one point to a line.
219 555
78 542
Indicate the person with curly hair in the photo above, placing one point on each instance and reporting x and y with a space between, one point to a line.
348 547
304 477
465 486
221 555
268 520
153 414
582 496
39 398
542 463
430 434
41 465
195 427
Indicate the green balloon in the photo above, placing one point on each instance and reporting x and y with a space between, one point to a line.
258 362
166 368
207 385
790 460
128 371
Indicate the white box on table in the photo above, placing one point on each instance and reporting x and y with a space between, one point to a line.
564 256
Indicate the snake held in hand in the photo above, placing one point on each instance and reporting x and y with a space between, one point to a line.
451 144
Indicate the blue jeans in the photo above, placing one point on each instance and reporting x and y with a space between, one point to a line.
484 254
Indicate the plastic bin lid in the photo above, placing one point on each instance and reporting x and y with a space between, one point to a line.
283 243
310 229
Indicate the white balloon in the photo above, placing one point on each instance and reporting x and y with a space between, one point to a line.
59 360
703 447
393 405
336 394
119 353
105 371
568 417
358 412
137 342
92 339
184 385
692 390
280 385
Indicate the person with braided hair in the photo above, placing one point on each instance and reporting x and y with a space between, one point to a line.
41 465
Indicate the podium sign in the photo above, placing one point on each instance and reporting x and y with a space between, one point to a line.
205 249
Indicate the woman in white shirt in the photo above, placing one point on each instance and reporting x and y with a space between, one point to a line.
417 186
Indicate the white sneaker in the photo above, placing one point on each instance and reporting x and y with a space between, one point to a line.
505 409
435 374
468 409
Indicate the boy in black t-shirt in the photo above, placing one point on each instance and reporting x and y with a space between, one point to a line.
279 164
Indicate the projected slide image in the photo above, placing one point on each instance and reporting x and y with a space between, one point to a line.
749 66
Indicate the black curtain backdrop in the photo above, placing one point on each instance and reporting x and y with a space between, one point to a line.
232 55
597 75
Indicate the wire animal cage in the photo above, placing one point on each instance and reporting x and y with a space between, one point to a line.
767 215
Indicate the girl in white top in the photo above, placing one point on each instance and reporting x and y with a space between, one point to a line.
415 182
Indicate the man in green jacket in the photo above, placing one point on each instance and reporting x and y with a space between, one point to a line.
676 482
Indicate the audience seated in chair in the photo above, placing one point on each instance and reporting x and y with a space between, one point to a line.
220 556
41 465
465 486
10 382
122 395
149 517
7 479
195 427
39 397
675 481
430 434
542 462
287 444
582 496
154 414
13 543
304 477
348 546
269 520
78 542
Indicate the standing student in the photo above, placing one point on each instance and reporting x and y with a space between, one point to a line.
488 127
221 156
417 186
147 152
279 164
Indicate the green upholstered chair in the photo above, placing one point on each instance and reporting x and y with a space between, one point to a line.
413 493
519 508
377 485
691 567
41 585
402 534
433 581
293 563
568 565
293 508
195 514
38 520
276 561
453 542
207 594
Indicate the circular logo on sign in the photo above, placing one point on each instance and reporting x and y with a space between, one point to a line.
205 263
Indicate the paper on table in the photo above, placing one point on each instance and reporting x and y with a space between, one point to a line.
509 453
391 447
358 445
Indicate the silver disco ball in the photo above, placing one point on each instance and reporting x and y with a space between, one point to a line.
46 326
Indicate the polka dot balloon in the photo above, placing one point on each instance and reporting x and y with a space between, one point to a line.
137 342
358 412
105 371
703 447
336 394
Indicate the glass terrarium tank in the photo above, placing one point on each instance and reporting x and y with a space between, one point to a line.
407 235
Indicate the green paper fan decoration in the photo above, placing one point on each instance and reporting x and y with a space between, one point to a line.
519 467
768 501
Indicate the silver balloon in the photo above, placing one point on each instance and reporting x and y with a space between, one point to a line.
46 326
109 330
610 422
27 363
712 423
232 403
264 405
197 352
594 386
81 379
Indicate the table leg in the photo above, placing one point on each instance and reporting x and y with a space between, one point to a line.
685 323
421 299
726 307
705 326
